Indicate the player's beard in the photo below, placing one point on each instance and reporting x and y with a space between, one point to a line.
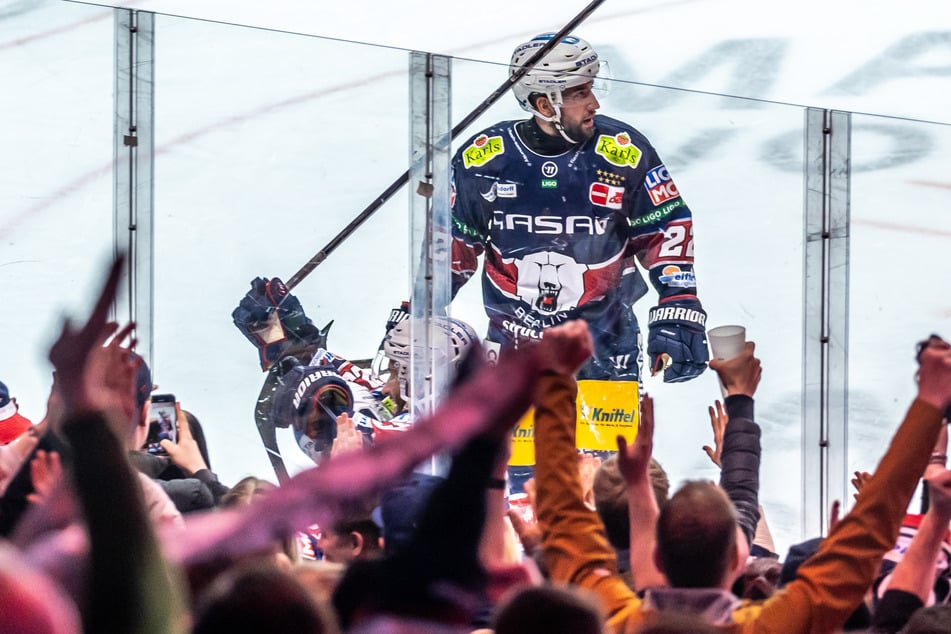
578 131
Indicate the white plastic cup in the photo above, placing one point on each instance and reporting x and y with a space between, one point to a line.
726 342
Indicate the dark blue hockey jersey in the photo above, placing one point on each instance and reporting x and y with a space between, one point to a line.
562 234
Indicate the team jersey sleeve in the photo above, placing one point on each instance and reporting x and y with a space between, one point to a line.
661 231
469 230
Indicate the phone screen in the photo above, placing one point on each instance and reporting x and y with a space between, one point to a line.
161 423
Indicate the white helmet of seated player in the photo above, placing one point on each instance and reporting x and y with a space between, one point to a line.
458 337
572 62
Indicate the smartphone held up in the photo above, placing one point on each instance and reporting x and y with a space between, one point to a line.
162 423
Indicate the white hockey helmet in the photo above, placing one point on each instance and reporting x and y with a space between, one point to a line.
398 345
572 62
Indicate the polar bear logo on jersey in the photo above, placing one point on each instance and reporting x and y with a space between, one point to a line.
550 282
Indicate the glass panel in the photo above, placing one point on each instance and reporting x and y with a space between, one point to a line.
899 271
55 180
825 310
738 165
268 145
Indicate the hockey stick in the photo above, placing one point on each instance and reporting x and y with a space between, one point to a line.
396 185
262 419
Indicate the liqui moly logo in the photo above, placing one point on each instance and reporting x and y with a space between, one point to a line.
660 186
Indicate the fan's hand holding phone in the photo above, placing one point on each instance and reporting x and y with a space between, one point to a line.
162 423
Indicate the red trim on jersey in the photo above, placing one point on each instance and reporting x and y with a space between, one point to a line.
673 298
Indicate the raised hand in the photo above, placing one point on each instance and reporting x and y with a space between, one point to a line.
939 495
46 472
633 461
70 353
529 533
185 452
588 465
113 368
565 348
741 374
92 376
834 513
934 373
523 517
859 480
718 421
348 438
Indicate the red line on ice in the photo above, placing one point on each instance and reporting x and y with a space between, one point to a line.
925 231
931 184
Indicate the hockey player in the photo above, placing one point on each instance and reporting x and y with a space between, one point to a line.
563 205
308 387
457 337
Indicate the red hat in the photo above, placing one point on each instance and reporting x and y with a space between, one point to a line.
11 423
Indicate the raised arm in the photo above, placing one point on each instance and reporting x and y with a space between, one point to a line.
575 547
912 581
128 587
499 545
316 494
642 510
831 583
740 453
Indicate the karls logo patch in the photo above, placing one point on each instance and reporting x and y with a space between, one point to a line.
673 276
606 195
549 169
482 150
618 150
660 186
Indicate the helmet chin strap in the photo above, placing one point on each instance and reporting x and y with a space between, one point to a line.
555 101
561 130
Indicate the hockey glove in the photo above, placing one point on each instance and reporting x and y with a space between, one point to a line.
271 319
677 339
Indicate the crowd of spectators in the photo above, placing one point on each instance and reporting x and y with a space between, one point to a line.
100 535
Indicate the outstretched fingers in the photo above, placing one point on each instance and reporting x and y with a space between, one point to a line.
644 441
98 316
72 350
718 421
634 459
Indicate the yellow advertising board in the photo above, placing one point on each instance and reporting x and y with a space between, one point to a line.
605 409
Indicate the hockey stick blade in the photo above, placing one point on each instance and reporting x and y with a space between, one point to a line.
266 428
396 185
